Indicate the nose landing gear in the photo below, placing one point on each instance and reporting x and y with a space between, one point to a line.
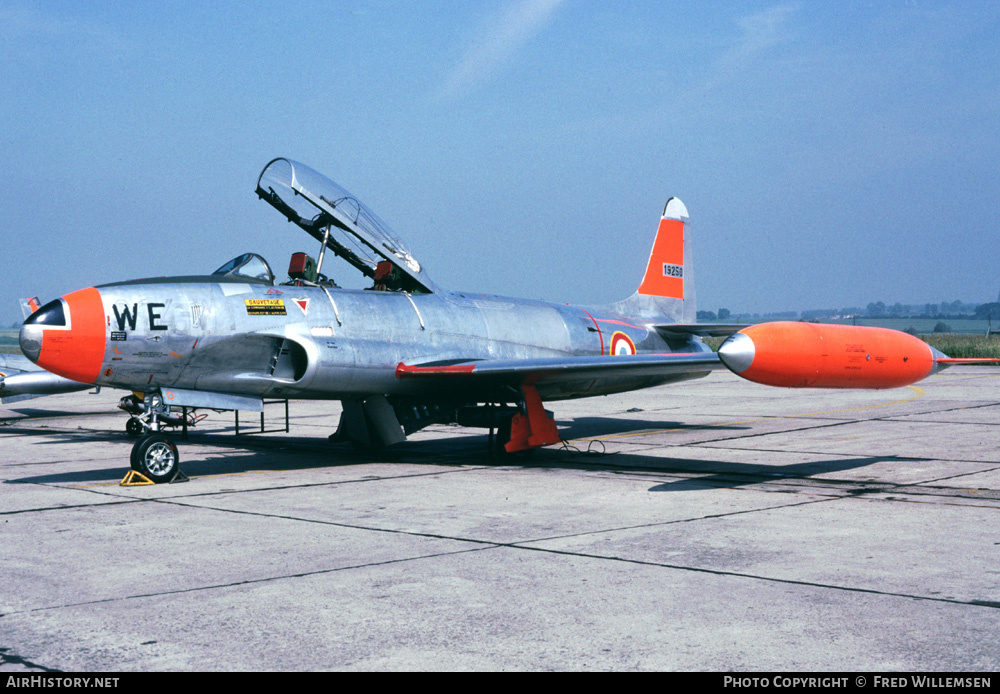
154 456
152 414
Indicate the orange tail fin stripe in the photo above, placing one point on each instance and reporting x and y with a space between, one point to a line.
665 271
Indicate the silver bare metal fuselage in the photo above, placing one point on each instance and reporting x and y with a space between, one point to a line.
230 335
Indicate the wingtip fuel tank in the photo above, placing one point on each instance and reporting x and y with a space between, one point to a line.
810 355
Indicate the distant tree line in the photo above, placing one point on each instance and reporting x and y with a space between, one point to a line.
875 309
878 309
723 314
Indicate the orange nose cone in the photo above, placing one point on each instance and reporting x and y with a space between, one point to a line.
76 348
807 355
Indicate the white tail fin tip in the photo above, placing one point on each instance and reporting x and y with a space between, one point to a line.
675 209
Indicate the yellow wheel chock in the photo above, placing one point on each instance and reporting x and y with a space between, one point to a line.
135 479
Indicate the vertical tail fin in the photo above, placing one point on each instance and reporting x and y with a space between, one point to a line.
29 306
667 288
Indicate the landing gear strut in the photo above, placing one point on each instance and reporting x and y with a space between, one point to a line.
152 414
532 428
146 413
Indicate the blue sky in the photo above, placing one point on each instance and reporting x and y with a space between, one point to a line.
830 154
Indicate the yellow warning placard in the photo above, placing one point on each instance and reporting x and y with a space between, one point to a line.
265 307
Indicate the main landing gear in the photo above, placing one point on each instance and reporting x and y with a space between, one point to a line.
532 428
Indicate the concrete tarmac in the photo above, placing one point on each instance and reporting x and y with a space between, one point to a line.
714 525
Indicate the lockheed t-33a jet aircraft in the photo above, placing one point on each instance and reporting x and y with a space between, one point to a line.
403 352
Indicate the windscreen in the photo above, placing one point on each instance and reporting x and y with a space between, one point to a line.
248 265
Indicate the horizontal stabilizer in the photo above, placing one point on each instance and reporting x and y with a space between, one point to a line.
677 331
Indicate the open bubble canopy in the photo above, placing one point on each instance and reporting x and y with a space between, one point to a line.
326 210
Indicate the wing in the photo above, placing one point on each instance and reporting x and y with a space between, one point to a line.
11 364
22 380
562 377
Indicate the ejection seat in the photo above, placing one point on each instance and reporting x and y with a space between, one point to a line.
386 277
302 271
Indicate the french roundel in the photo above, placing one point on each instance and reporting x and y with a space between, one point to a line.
622 344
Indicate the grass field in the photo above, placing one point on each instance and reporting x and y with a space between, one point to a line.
924 326
8 342
964 346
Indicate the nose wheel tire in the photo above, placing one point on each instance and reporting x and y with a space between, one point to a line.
155 456
133 426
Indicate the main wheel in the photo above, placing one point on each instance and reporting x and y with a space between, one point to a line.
156 457
133 427
501 439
